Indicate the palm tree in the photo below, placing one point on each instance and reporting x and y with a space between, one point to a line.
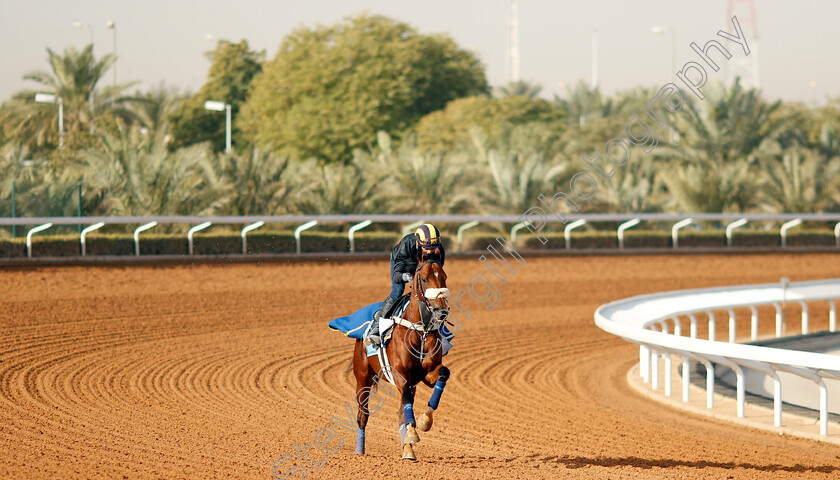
73 76
519 88
800 180
259 183
337 188
149 110
517 171
635 187
733 187
132 173
419 182
711 169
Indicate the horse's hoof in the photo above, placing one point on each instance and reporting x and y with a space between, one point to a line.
411 435
408 452
424 423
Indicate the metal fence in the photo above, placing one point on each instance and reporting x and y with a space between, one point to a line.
533 223
655 322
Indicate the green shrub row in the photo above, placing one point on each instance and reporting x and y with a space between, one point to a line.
225 243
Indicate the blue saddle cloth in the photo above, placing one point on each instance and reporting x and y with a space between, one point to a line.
355 324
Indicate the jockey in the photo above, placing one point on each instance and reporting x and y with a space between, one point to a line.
423 243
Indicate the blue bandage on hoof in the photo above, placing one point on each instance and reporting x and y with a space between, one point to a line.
438 391
408 410
360 442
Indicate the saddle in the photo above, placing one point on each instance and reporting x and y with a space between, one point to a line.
386 323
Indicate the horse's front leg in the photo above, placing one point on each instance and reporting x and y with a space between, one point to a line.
438 378
408 432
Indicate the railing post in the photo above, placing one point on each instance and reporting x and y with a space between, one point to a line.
141 228
191 232
787 226
677 326
823 408
731 325
95 226
780 330
35 230
567 232
712 325
301 228
777 400
832 316
710 383
753 323
804 317
739 381
244 234
644 362
693 331
624 226
731 227
686 379
352 232
654 369
513 231
466 227
837 235
668 372
676 228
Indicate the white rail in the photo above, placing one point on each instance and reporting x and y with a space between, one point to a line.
635 319
677 220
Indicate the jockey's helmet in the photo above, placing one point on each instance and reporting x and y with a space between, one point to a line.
428 236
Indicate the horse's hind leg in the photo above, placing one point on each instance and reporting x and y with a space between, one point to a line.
439 375
364 380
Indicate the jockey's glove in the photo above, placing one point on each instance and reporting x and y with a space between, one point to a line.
407 277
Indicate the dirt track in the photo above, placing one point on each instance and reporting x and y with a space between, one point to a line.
217 371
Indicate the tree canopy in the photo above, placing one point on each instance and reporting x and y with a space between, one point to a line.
329 90
233 67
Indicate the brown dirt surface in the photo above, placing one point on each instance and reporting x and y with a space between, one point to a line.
217 371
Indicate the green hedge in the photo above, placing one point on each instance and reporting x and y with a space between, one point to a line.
203 244
687 239
262 242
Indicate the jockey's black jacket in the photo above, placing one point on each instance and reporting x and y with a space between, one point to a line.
405 255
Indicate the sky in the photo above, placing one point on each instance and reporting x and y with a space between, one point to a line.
163 42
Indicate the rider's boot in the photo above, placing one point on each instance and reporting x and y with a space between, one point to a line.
374 335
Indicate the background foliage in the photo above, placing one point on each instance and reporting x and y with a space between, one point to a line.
370 116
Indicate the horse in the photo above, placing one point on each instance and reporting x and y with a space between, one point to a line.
413 355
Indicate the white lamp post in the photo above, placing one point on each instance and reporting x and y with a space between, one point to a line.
594 58
111 25
658 30
50 98
218 107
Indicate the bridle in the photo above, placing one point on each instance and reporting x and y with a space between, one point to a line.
432 318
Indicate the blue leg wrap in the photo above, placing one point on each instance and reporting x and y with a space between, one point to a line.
433 402
408 410
360 442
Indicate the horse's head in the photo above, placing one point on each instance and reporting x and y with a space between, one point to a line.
430 287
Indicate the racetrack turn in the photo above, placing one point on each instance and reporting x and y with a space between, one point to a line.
217 371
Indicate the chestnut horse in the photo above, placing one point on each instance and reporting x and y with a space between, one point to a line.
413 355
